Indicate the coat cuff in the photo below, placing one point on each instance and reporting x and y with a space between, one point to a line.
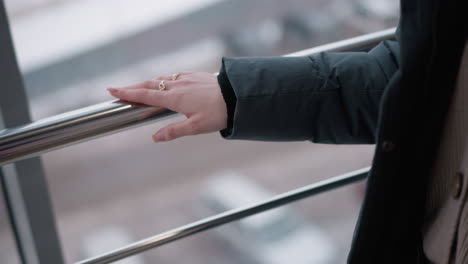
229 97
268 93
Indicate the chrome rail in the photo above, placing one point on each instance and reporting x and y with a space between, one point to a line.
74 127
98 120
359 43
227 217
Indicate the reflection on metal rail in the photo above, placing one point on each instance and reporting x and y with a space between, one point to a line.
91 122
228 217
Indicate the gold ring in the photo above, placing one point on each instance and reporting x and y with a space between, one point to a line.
175 75
162 86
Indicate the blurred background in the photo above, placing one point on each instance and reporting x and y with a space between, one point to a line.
121 188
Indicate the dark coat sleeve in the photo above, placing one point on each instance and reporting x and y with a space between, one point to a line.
325 98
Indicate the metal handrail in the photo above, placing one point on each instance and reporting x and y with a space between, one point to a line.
98 120
227 217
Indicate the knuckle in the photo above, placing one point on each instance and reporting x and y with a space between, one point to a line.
175 93
150 84
144 96
194 126
184 82
147 82
170 133
124 93
176 97
143 93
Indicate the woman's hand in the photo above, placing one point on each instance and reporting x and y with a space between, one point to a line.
197 95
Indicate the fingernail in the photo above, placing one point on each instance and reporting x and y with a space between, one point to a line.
112 90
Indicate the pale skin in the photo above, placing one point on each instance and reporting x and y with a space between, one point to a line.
196 95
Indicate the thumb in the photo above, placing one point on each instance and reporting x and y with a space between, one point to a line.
175 130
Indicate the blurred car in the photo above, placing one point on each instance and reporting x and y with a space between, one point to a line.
275 236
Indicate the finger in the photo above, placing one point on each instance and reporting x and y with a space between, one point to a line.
170 77
144 96
149 84
175 130
163 77
166 85
153 84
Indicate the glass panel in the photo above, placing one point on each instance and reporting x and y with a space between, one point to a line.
121 188
8 250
